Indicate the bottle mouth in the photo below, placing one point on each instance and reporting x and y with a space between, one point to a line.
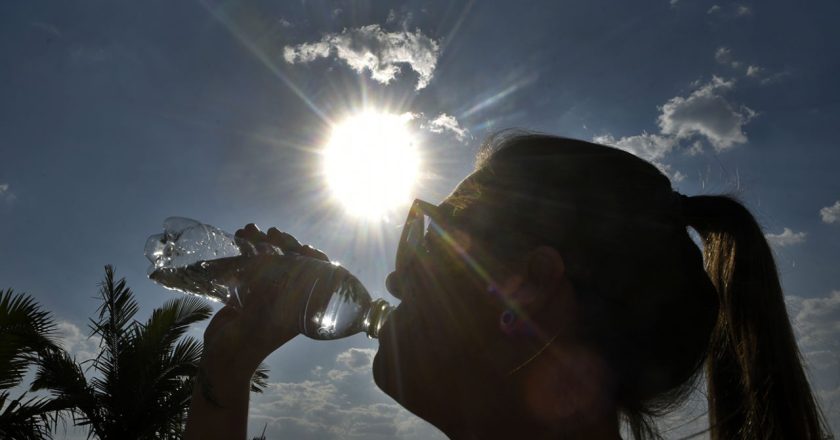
154 250
376 317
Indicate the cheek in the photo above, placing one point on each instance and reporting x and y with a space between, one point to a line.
447 319
453 336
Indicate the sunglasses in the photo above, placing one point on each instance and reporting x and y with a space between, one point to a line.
421 215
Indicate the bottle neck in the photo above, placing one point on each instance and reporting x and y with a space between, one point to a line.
376 316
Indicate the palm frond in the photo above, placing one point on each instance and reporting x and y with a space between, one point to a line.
260 379
59 374
26 331
183 359
171 321
23 418
153 361
26 334
144 374
115 314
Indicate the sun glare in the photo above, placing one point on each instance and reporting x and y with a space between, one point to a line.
371 163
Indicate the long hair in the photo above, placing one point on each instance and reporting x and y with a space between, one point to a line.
757 387
651 308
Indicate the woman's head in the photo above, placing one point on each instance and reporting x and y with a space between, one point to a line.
648 304
585 249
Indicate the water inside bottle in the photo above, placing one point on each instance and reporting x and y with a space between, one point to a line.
214 280
333 303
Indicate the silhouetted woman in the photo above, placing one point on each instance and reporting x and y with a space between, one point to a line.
556 292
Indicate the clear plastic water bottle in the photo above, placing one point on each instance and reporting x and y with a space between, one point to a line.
199 259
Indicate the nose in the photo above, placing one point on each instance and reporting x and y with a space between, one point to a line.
392 283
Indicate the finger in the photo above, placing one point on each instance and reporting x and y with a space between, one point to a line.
285 241
309 251
249 238
252 228
250 232
245 244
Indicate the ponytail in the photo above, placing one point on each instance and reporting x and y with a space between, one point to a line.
757 387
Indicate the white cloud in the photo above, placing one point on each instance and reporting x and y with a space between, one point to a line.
650 147
786 238
343 404
831 214
6 194
370 48
818 320
440 124
706 112
695 149
356 359
730 11
723 55
77 343
775 77
306 52
444 122
817 325
318 410
352 362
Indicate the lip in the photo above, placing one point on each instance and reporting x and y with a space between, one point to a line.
385 330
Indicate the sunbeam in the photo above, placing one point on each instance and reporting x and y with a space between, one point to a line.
218 14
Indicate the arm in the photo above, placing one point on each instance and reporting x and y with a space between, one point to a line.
235 343
219 407
238 339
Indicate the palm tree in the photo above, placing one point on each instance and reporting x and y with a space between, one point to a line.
26 333
142 379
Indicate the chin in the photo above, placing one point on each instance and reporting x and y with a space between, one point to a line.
386 375
411 377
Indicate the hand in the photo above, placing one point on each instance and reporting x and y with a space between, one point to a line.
257 242
242 337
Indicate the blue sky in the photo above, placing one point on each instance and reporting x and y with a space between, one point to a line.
114 116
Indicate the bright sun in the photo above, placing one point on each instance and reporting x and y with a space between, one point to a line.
371 163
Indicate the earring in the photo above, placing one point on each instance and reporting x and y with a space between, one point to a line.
507 321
